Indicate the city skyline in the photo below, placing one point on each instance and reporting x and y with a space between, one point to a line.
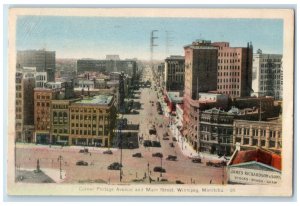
95 37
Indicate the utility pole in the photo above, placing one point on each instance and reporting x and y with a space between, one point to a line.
152 45
60 158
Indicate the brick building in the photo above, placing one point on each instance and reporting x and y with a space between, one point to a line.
234 69
42 113
92 121
200 76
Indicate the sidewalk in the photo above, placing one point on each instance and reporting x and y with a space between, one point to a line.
186 149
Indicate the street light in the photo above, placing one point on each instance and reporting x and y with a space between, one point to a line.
161 166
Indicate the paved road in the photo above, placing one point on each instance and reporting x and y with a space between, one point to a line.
134 168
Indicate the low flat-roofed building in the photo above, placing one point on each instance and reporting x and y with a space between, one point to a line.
254 167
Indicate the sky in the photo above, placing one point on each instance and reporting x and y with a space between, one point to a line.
95 37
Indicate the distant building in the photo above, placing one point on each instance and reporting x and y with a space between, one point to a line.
234 69
24 107
267 79
93 65
112 57
174 73
254 167
251 134
43 60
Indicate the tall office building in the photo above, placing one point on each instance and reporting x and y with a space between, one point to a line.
267 77
234 69
43 60
25 84
174 73
201 59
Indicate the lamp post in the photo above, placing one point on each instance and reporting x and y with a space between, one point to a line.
60 158
161 166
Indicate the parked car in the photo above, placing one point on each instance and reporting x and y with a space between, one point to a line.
159 169
114 166
147 143
171 144
107 152
156 144
179 182
157 154
171 158
152 131
82 163
165 138
137 155
196 160
135 112
84 150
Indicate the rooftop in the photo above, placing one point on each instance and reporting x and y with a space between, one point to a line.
96 100
175 97
259 155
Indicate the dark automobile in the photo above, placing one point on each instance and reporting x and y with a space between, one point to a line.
114 166
82 163
165 138
179 182
171 158
83 151
158 154
156 144
147 143
159 169
107 152
196 160
137 155
174 139
171 144
152 131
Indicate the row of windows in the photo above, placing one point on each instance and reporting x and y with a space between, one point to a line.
229 74
59 106
42 104
255 132
228 86
246 141
270 77
87 125
229 80
89 132
271 66
42 97
228 60
229 67
88 117
227 54
88 110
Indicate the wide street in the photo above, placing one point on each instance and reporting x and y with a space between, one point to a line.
134 169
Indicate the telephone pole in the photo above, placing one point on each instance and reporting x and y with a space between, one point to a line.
60 158
152 45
